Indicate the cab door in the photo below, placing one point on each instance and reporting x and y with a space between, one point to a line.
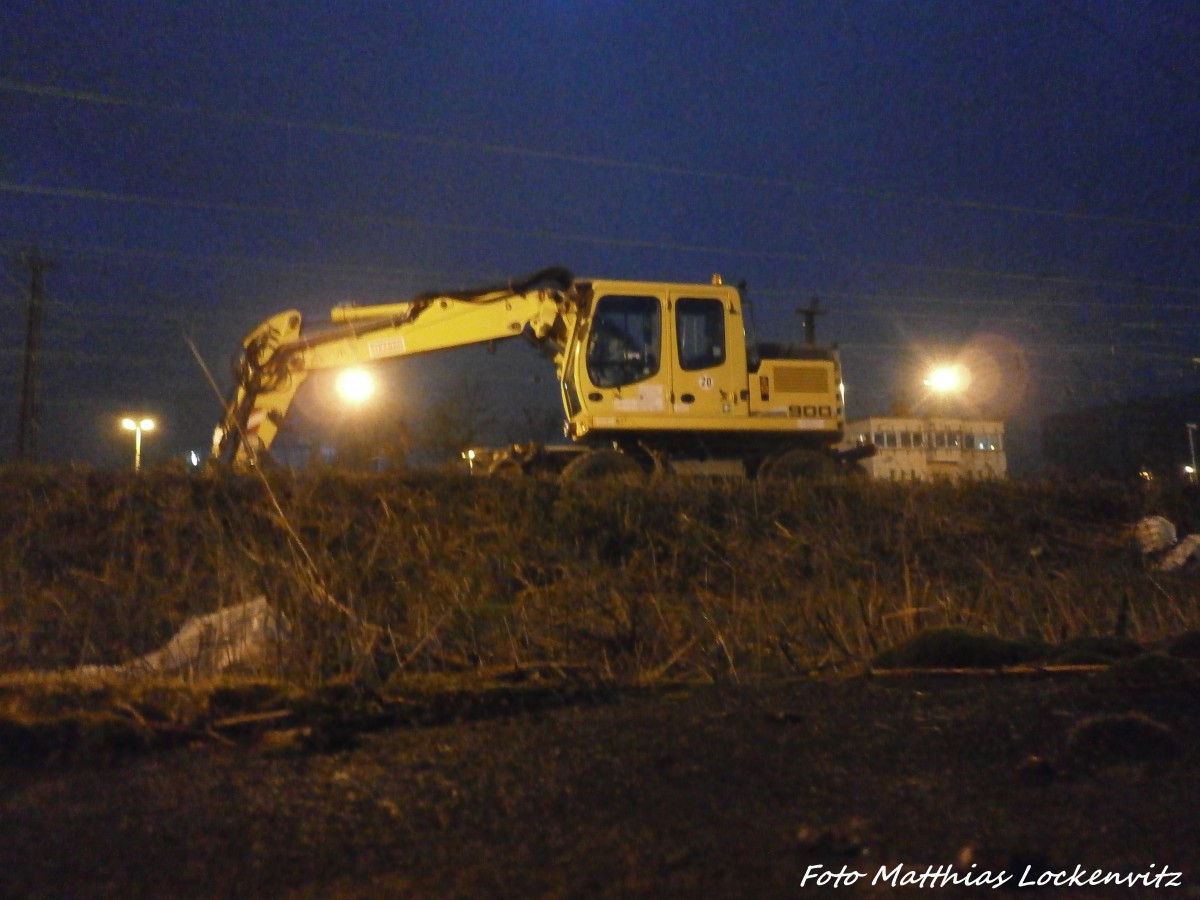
707 357
620 371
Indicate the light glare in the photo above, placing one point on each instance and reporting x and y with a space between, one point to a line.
356 385
947 379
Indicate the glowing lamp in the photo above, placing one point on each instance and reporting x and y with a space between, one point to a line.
356 385
137 426
947 379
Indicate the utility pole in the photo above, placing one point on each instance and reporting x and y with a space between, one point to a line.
28 426
810 314
1191 430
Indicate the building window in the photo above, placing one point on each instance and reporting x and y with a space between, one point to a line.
988 442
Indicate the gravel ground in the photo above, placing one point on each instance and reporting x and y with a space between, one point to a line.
715 791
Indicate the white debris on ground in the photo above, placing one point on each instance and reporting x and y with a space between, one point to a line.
1181 554
244 639
1154 534
1156 539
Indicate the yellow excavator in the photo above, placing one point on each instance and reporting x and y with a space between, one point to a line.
653 376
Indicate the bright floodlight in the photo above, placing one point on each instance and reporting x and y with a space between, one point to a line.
137 426
356 385
947 379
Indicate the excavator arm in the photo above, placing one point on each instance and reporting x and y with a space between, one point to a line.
279 354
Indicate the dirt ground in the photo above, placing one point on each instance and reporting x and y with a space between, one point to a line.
713 791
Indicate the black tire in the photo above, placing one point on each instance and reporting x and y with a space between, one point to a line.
603 464
506 468
796 466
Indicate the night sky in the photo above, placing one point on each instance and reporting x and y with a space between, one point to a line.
1016 183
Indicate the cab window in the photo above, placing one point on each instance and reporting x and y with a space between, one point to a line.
624 345
700 331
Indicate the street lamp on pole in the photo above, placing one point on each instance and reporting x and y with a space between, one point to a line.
1191 430
356 387
137 426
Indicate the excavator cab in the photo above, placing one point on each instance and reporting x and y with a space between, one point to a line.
656 357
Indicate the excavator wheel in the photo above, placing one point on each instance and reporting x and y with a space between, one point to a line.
796 465
602 464
506 468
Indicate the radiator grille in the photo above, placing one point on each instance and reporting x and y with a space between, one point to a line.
802 379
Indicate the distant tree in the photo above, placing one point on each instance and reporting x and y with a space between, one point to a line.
376 443
460 419
541 424
901 405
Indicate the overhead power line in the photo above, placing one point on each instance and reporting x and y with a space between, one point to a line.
404 222
959 302
883 306
1143 57
11 85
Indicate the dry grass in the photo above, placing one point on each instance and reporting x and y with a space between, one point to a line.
384 577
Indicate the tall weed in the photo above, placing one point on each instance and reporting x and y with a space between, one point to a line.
387 574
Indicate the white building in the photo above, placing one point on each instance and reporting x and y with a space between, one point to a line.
936 447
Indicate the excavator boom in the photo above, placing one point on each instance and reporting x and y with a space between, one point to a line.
279 354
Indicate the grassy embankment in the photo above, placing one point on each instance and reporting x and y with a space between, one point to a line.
381 577
422 598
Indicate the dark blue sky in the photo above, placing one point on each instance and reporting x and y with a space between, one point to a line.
1018 181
